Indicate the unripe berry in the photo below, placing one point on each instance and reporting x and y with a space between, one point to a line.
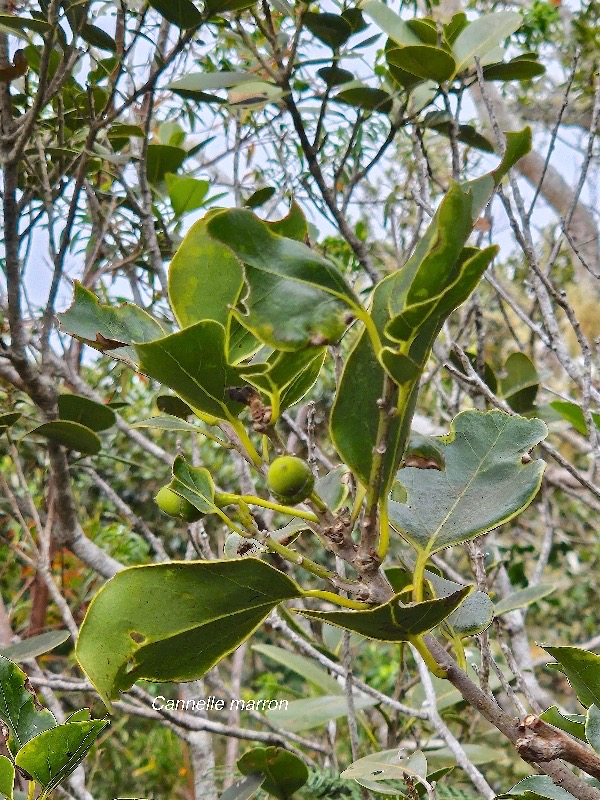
175 506
290 480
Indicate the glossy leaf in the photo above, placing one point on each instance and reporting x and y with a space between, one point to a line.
331 29
484 482
163 159
182 13
193 364
19 23
7 778
520 383
54 754
439 758
196 84
538 787
456 25
582 669
482 35
185 193
393 621
592 727
295 298
98 37
288 377
173 622
335 76
423 61
473 615
302 715
439 121
307 668
108 328
389 22
260 197
195 484
574 414
243 789
222 6
173 406
167 424
522 598
571 723
69 434
8 420
367 98
332 488
284 772
19 707
76 408
388 765
515 70
292 226
34 646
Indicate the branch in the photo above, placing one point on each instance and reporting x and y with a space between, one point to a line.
541 742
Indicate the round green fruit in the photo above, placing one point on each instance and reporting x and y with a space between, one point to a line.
175 506
290 480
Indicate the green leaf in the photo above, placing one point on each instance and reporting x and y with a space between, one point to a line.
387 765
484 482
205 278
97 37
244 789
520 383
8 420
193 364
473 615
331 29
288 377
423 61
108 328
186 194
182 13
19 707
24 23
393 621
535 787
515 70
197 83
592 727
439 121
574 414
69 434
284 772
456 25
302 715
389 22
167 424
306 667
195 484
293 225
260 197
335 76
54 754
524 597
222 6
295 298
7 778
333 488
163 159
366 98
76 408
34 646
173 622
173 406
482 35
571 723
442 758
582 669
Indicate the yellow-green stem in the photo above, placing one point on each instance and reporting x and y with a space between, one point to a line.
331 597
419 576
31 790
432 665
231 524
291 512
361 493
459 652
384 528
314 497
297 558
245 440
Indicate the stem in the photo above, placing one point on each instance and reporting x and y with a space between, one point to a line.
361 493
419 576
258 501
421 648
314 497
331 597
31 790
245 440
297 558
384 527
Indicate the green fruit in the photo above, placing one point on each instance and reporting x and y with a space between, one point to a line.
175 506
290 480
